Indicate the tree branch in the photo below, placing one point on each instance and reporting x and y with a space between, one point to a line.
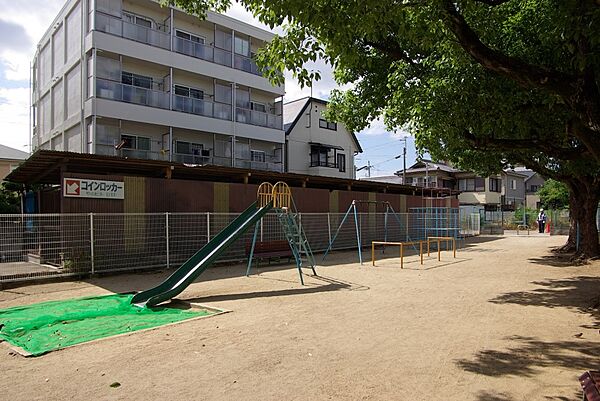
527 75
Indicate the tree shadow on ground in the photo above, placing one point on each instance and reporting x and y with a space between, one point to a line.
531 354
556 260
577 293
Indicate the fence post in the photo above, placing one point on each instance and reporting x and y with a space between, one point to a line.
168 241
92 243
207 227
329 225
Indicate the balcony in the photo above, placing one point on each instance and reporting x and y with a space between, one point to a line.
202 160
246 64
112 90
202 107
116 26
270 164
202 51
253 117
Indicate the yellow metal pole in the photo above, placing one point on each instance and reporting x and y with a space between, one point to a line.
373 253
428 247
402 256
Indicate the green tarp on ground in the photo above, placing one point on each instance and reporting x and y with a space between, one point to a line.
47 326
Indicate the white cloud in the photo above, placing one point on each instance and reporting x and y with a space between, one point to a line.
378 128
14 117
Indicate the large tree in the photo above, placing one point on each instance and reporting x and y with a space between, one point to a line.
484 83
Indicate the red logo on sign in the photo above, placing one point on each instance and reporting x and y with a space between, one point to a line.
73 187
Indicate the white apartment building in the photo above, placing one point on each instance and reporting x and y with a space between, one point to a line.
315 146
131 78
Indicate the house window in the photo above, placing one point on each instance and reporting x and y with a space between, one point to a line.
341 162
513 184
135 142
129 78
327 125
471 184
137 20
534 188
190 37
495 184
258 156
319 156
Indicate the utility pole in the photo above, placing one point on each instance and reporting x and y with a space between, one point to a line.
368 167
404 159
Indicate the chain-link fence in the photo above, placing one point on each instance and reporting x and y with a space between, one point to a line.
42 246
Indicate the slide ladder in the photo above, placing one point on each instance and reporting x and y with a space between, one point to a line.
280 196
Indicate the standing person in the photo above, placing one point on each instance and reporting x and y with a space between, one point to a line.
541 220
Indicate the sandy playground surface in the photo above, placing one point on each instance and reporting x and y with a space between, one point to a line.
498 323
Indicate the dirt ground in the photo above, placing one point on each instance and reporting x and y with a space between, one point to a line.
497 323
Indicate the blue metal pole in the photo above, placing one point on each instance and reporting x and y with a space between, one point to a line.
357 235
252 248
338 231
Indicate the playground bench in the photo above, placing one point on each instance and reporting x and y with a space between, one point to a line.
590 382
270 249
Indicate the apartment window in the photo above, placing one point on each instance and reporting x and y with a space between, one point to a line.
190 37
327 125
132 79
258 156
242 46
189 148
181 90
495 184
137 20
259 107
341 162
135 142
513 184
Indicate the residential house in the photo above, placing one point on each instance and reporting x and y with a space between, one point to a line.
134 79
10 159
314 145
506 190
533 182
513 189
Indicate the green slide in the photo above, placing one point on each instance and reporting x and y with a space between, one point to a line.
197 264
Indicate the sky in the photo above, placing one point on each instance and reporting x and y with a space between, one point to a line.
23 23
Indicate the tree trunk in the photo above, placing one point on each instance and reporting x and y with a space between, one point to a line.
571 245
585 196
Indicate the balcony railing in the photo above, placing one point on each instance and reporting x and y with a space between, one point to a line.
116 26
256 165
246 64
202 107
202 51
323 163
112 90
261 119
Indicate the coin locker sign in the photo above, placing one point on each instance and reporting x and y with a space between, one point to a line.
86 188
